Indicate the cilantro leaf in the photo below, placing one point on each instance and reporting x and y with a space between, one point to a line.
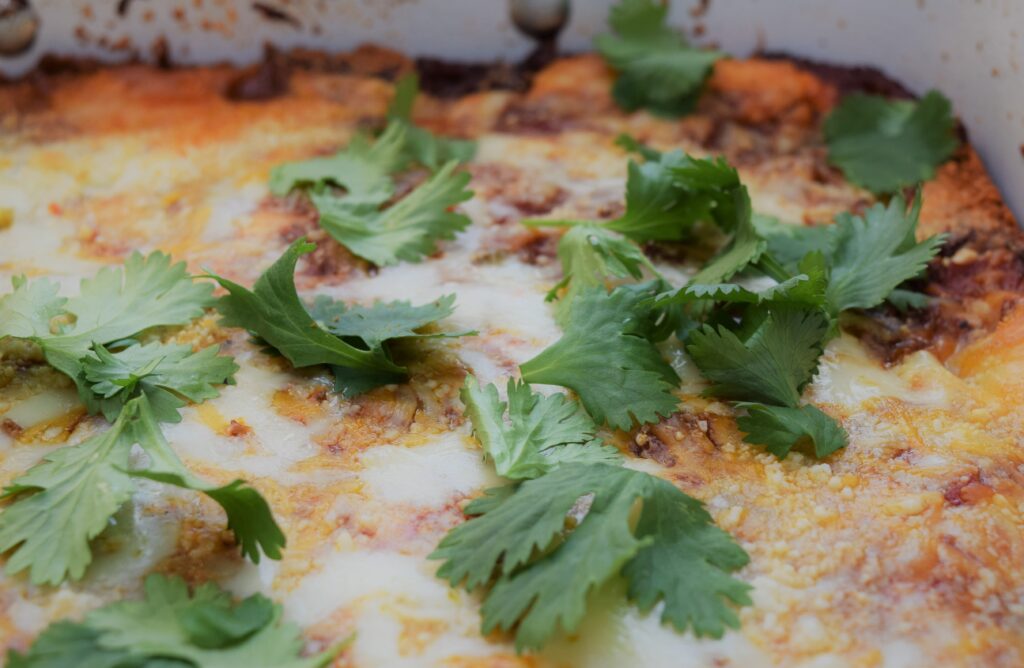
371 327
876 253
69 645
351 340
541 433
114 305
884 145
779 428
657 67
28 310
423 146
686 563
374 325
592 256
362 168
788 243
64 502
273 311
806 288
556 538
170 627
772 365
668 194
169 375
767 371
665 198
407 230
605 357
905 300
652 205
745 247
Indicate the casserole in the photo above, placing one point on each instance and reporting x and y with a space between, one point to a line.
898 550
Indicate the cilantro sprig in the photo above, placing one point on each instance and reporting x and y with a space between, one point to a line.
667 195
68 499
62 503
767 369
607 353
405 231
172 626
92 337
539 434
422 146
657 68
730 331
760 349
353 341
885 145
548 543
361 218
115 305
539 548
169 375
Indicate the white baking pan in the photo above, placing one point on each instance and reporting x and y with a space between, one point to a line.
973 50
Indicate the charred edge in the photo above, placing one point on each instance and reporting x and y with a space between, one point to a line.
450 79
265 81
970 297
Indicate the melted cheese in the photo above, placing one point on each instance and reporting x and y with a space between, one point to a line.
900 550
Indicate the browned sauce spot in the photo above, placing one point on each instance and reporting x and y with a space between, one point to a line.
648 445
11 428
265 81
238 428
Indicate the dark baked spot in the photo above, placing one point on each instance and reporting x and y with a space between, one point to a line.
264 81
11 428
543 117
449 79
539 249
525 192
648 445
971 294
967 490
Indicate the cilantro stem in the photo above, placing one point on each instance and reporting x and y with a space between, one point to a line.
769 266
542 222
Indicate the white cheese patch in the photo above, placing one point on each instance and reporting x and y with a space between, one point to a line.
276 442
849 375
47 405
426 475
387 590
